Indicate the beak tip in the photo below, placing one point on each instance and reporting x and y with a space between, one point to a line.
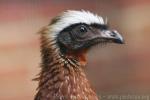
119 41
114 36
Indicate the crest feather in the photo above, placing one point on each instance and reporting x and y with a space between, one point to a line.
71 17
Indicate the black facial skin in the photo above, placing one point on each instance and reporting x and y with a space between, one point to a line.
83 36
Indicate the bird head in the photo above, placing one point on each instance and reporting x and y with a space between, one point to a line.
77 31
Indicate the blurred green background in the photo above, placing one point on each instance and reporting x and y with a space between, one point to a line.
113 69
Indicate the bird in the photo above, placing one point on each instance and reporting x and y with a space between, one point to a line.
65 42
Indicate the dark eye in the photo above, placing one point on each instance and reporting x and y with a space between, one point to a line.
83 29
79 32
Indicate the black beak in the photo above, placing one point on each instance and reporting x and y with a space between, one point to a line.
114 36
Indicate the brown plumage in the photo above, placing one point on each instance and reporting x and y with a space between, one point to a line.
62 75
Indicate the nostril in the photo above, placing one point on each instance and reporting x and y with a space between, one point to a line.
113 34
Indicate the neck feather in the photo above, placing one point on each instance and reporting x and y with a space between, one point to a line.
61 77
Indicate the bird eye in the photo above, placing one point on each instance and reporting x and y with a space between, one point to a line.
80 31
83 29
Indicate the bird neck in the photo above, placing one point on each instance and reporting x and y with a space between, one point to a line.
63 77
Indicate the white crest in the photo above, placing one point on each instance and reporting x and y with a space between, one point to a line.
71 17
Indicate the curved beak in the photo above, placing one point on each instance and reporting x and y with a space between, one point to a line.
114 36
